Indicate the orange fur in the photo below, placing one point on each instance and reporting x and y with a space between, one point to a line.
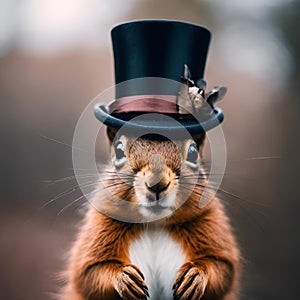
100 267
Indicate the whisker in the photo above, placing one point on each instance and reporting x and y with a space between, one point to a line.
114 184
239 160
230 194
103 175
81 169
68 178
198 193
187 183
234 207
219 189
191 190
50 181
117 173
201 174
116 179
73 202
62 143
69 205
66 193
263 157
126 191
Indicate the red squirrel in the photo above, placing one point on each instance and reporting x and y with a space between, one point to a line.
187 252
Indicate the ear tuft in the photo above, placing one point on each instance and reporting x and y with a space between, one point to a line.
111 133
199 138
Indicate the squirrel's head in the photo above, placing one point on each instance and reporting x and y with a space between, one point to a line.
155 173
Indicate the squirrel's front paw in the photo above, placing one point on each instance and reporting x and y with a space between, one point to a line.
190 283
130 284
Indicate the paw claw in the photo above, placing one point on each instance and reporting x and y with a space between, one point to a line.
130 284
145 289
190 283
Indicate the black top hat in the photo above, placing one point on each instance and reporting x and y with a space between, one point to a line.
149 61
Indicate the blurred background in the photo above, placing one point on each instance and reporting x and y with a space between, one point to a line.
56 56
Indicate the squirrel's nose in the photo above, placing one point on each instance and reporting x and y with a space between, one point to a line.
158 187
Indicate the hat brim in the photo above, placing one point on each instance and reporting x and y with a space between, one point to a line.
161 126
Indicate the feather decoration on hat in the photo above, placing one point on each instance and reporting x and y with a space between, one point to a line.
192 98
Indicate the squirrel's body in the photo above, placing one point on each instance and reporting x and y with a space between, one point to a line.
189 254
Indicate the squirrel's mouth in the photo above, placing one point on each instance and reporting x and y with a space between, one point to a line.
153 198
158 203
159 210
160 200
155 207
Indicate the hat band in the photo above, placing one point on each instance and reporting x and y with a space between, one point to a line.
165 104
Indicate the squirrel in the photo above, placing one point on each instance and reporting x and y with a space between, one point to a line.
187 252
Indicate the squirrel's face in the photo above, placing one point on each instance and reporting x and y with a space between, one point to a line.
154 169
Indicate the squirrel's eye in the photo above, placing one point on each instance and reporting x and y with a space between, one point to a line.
192 155
119 150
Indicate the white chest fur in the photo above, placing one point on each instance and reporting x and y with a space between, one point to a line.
159 257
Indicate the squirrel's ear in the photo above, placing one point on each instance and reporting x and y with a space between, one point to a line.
199 138
111 133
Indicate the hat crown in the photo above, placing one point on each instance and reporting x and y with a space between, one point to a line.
158 48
